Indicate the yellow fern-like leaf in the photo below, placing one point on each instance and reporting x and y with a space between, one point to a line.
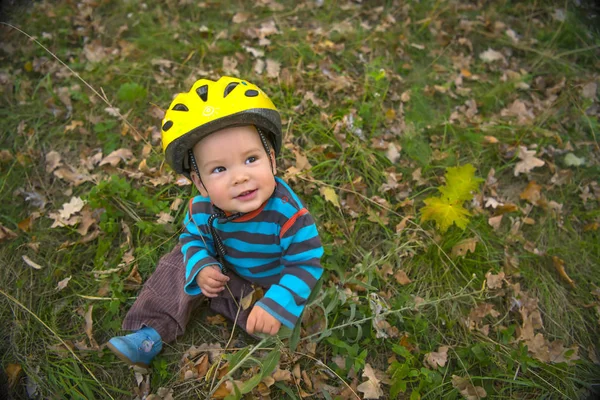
460 182
445 213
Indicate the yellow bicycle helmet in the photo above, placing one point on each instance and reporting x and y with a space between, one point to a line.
210 106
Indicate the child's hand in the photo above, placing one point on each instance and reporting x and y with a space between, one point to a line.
211 280
261 321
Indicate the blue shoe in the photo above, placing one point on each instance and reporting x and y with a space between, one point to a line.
138 348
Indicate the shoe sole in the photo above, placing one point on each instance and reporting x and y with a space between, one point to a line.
124 358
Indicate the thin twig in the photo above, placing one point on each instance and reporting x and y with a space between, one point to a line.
103 298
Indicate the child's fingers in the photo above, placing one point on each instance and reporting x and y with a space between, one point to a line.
250 323
259 326
214 283
215 274
210 292
211 289
274 329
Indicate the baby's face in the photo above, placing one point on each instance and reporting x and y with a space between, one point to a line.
235 171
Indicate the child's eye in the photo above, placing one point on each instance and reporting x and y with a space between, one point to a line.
217 170
251 160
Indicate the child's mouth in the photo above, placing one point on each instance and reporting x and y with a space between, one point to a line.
246 195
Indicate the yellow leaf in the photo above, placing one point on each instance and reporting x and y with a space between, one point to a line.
330 195
460 182
444 213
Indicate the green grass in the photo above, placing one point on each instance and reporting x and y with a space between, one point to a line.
360 239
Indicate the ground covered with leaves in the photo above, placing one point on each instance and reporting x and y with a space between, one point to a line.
447 149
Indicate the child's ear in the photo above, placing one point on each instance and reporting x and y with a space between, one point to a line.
273 161
198 183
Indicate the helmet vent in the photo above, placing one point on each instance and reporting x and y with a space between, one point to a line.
167 125
180 107
229 88
203 92
251 93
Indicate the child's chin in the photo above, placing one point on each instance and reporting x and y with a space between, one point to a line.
246 209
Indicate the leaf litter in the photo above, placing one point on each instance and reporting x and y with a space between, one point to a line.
522 111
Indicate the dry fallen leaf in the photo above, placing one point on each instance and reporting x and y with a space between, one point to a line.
52 161
519 109
467 389
73 125
528 161
438 358
116 157
506 208
63 284
532 193
246 301
402 278
558 353
13 372
464 246
273 68
281 375
494 281
87 220
240 17
88 328
72 207
559 264
393 153
6 234
302 162
495 222
164 218
72 176
223 391
478 313
372 387
402 224
32 264
259 66
490 56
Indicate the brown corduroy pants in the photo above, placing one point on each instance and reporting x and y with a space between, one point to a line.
163 305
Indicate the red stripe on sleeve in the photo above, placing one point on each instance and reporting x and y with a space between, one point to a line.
290 222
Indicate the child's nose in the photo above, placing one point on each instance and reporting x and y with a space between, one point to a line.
240 176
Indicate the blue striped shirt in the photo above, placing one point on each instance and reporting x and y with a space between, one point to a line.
276 246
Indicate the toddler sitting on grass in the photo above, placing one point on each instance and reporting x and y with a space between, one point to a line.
246 227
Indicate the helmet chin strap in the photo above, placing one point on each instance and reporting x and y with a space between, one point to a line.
265 144
195 167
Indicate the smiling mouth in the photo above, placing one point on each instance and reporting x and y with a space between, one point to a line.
246 193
